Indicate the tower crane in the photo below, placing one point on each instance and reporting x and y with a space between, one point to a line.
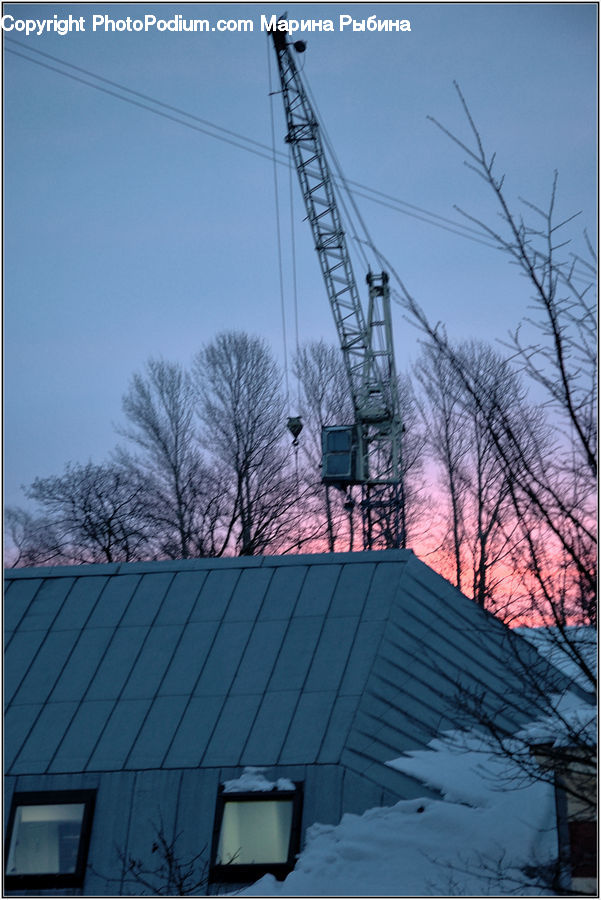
367 452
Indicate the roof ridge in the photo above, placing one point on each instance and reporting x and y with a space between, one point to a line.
207 562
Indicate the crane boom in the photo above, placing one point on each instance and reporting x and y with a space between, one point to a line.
366 342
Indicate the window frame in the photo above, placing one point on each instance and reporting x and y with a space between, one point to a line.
351 455
576 814
51 880
248 872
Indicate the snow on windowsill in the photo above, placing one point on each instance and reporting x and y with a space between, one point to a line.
252 779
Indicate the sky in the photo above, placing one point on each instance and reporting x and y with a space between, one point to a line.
128 235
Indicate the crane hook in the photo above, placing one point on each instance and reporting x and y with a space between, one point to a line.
295 426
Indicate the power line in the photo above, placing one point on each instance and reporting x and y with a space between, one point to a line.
231 137
343 188
143 96
241 142
137 103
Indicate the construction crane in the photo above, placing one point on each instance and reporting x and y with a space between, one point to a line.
367 452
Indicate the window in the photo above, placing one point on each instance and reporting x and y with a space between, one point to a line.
48 838
339 454
575 779
255 832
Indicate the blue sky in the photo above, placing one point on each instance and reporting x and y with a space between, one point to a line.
128 235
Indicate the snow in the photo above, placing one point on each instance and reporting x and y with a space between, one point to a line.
252 779
566 649
572 721
475 840
487 835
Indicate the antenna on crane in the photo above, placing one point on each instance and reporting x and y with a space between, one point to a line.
367 452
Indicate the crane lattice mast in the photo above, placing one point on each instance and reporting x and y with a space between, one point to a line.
367 453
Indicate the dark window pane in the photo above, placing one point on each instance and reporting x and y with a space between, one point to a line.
338 464
583 849
339 441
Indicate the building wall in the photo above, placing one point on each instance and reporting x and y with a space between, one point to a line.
130 806
150 678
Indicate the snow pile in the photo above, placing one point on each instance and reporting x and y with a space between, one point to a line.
573 722
475 841
252 779
569 650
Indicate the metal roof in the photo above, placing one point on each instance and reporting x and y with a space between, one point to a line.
330 658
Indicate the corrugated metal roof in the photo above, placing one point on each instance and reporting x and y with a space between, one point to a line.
231 662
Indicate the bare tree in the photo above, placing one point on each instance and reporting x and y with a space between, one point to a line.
169 875
94 512
481 524
242 412
30 540
415 501
552 484
548 461
324 400
448 444
562 356
558 354
185 502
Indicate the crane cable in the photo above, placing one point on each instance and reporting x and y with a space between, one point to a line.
278 231
294 275
297 342
282 303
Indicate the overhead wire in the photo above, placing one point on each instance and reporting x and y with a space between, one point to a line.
344 182
231 137
250 145
143 96
330 148
137 103
340 186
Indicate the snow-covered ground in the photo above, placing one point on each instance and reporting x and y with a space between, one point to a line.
484 837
